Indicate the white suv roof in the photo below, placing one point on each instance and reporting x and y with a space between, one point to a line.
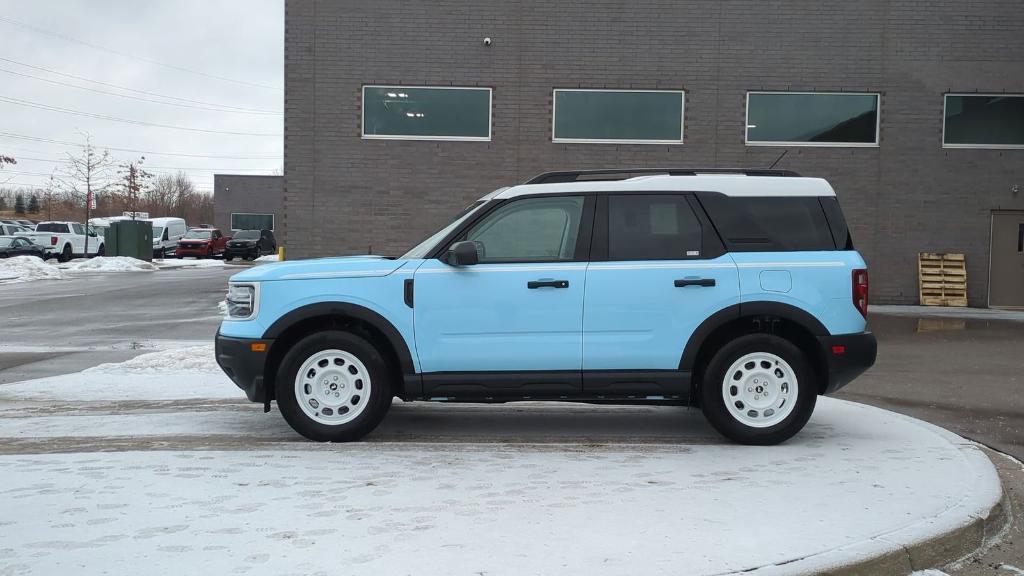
728 184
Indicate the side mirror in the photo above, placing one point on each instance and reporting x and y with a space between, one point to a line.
463 254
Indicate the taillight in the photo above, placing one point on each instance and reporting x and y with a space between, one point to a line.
860 291
53 240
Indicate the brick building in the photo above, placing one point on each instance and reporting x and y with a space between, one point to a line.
912 112
243 201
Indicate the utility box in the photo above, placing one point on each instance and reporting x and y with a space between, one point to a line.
132 238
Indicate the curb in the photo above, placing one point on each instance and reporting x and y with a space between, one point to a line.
934 552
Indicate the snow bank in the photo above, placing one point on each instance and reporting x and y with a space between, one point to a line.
268 258
108 264
27 269
176 263
188 359
178 372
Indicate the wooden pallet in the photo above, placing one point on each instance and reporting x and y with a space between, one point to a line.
942 278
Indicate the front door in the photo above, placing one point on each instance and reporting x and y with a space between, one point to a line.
662 277
510 325
1006 275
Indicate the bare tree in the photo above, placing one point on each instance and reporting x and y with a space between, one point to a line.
49 197
6 160
134 181
85 175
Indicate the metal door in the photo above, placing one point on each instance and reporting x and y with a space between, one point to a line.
1006 268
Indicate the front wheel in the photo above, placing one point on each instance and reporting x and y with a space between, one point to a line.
758 389
333 386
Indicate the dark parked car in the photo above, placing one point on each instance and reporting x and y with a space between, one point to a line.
20 246
201 243
250 244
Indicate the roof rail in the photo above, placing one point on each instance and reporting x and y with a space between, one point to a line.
611 173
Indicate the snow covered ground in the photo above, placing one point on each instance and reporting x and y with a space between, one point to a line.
422 497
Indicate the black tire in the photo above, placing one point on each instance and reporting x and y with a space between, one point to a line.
379 400
102 250
713 387
65 254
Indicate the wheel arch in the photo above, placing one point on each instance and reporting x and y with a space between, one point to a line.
298 323
784 320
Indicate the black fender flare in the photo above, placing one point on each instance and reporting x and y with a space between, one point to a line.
350 310
728 314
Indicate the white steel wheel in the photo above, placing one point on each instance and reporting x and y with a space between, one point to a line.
332 387
760 389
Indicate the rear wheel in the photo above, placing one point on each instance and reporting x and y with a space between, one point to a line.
758 389
102 251
65 254
333 386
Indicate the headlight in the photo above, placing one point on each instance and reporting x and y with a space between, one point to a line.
242 300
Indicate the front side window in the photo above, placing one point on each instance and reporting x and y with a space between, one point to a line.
652 227
530 230
983 121
426 113
246 221
812 119
618 116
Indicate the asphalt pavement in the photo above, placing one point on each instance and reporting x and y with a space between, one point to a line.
60 326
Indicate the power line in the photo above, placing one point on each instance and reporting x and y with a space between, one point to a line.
133 56
47 107
181 154
147 166
139 98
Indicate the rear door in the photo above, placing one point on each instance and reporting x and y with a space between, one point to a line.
658 270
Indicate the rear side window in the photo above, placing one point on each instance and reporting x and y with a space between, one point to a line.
769 224
652 227
58 228
837 223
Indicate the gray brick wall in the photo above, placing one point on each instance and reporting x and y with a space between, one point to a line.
247 193
346 195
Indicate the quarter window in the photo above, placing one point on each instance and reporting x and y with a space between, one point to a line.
983 121
530 230
618 116
769 224
426 113
247 221
812 119
652 227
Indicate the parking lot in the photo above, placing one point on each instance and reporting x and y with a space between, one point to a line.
961 374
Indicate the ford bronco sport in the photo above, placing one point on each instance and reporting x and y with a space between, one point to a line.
738 291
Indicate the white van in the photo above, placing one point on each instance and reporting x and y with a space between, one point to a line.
166 233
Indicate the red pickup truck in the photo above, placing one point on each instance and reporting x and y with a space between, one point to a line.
202 243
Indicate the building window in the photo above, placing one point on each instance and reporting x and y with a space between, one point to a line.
426 113
812 119
246 221
618 116
983 121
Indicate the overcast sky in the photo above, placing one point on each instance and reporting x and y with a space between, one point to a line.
218 61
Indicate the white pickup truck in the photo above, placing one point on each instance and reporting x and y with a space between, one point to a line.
66 240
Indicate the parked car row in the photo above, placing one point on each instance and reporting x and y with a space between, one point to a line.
171 236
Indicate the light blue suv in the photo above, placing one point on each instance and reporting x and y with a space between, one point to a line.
738 291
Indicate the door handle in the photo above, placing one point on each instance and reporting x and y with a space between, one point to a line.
547 284
706 282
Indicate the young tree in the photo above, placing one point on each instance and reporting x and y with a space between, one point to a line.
3 202
19 204
134 182
48 197
33 204
85 175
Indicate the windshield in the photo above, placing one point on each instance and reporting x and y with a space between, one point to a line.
420 250
199 234
247 235
53 227
158 232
